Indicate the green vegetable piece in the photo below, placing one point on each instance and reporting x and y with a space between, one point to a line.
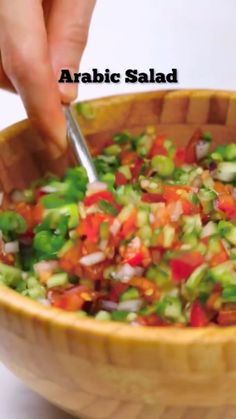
109 178
57 214
12 222
160 275
163 165
226 171
192 224
58 280
119 315
168 236
229 294
170 308
224 273
36 292
112 150
196 277
125 170
10 275
207 136
122 138
104 230
107 207
130 294
230 151
32 282
103 315
48 244
228 231
86 110
126 194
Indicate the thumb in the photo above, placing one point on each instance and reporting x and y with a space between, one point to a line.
68 26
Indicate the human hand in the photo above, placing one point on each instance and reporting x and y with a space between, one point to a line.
37 39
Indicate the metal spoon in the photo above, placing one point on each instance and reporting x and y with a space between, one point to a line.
79 145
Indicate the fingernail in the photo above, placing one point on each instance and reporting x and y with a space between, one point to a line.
68 90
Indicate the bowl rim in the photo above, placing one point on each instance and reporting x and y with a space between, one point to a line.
15 303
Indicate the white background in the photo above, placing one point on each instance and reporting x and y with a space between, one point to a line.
197 37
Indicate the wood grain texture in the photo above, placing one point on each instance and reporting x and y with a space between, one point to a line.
105 370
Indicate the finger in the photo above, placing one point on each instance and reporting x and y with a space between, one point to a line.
25 60
4 81
68 27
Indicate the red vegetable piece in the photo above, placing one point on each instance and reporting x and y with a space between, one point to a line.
180 157
158 147
198 317
182 266
150 320
120 179
152 197
135 170
98 196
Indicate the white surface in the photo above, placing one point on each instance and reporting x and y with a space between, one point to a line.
197 37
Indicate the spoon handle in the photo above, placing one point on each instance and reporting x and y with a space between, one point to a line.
79 145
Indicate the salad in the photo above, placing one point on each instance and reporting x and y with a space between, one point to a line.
152 243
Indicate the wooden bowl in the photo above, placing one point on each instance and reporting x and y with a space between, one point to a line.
102 370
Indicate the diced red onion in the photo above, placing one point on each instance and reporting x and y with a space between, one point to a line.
95 187
11 247
208 229
82 210
92 259
45 266
126 272
130 305
115 227
135 243
202 149
103 244
109 305
177 211
48 189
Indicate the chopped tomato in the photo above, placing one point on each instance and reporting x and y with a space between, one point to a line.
117 289
225 203
198 316
120 179
98 196
38 212
158 147
69 262
183 265
152 197
90 226
7 259
72 299
175 192
148 288
128 157
135 260
129 226
190 156
27 212
136 168
150 320
180 157
39 194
